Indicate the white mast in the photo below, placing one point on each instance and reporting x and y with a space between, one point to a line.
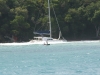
49 18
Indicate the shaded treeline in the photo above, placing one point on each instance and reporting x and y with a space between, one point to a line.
78 19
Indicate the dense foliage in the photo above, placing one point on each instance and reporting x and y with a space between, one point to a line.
77 18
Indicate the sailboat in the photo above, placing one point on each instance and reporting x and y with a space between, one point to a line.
47 40
41 39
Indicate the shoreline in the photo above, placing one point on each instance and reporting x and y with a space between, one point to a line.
29 43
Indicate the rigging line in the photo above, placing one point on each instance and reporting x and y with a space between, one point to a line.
39 28
60 33
56 19
36 23
55 16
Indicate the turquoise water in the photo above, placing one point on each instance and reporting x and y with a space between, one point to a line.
57 59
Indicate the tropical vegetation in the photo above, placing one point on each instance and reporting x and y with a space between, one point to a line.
78 19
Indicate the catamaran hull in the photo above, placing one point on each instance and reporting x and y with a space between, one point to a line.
33 42
49 42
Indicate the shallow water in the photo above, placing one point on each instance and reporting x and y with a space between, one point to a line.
58 59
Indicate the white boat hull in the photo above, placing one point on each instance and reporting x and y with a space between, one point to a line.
32 42
49 42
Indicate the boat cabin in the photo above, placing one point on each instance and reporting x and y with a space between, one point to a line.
42 38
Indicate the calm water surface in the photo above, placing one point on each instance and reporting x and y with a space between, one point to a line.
58 59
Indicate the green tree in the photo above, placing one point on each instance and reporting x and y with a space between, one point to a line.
93 12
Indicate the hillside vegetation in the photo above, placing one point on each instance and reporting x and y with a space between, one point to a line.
78 19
